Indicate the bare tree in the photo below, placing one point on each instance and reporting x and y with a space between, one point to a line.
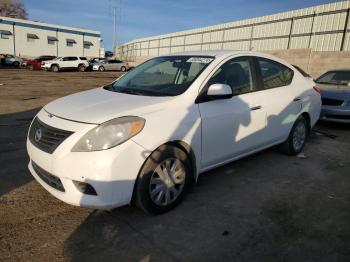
13 8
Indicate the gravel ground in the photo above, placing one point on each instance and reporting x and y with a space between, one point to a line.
267 207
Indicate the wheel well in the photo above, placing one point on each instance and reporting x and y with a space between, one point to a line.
308 120
189 152
54 65
81 64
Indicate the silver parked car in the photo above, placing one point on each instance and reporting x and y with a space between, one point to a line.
111 64
13 60
335 93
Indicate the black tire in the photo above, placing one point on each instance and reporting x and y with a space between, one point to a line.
143 186
81 68
55 68
289 147
101 69
30 67
16 64
123 69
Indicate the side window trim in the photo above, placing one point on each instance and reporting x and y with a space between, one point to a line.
254 71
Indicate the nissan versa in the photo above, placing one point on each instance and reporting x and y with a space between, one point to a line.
146 137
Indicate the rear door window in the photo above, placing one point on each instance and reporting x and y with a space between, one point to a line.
274 74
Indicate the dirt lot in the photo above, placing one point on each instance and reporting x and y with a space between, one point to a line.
267 207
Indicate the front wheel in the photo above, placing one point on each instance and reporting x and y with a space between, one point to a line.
30 67
54 68
16 64
101 69
123 68
297 137
163 180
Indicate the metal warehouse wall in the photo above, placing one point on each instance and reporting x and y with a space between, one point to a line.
320 28
17 43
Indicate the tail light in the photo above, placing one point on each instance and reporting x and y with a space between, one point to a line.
317 89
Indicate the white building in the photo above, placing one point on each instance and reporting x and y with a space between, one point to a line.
319 28
30 39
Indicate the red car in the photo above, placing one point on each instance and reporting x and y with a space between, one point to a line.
36 63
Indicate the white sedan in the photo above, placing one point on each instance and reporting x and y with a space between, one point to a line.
146 137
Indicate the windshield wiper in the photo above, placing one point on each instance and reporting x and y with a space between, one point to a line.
130 92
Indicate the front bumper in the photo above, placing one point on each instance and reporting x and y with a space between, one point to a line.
340 114
112 173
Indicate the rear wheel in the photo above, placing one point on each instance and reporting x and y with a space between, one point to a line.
297 137
163 180
81 68
30 67
101 68
123 68
54 68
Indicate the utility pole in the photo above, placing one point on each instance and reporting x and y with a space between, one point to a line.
114 28
114 9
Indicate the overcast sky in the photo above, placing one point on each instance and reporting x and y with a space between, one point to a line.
137 18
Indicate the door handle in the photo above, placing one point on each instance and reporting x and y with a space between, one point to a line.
296 99
255 108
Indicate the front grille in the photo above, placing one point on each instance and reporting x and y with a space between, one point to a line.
48 178
46 138
331 102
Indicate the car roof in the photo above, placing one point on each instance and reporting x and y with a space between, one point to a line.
216 53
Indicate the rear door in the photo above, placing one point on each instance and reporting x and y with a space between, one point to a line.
235 126
73 62
65 62
111 65
119 64
283 103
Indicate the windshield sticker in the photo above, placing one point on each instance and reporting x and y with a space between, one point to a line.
202 60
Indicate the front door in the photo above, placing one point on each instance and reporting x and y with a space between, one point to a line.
236 126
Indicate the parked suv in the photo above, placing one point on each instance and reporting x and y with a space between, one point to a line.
35 64
66 63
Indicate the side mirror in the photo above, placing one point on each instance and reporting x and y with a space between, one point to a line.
215 92
220 90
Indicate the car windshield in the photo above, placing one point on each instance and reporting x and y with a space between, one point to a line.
162 76
335 78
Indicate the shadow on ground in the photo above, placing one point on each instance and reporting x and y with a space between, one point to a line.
13 155
251 210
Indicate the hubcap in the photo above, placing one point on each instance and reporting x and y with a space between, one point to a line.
167 182
299 136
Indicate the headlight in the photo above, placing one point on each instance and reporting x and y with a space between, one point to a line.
110 134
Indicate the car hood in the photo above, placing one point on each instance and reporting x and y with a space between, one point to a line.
335 91
50 61
99 105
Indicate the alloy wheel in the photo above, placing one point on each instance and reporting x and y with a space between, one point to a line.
299 136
